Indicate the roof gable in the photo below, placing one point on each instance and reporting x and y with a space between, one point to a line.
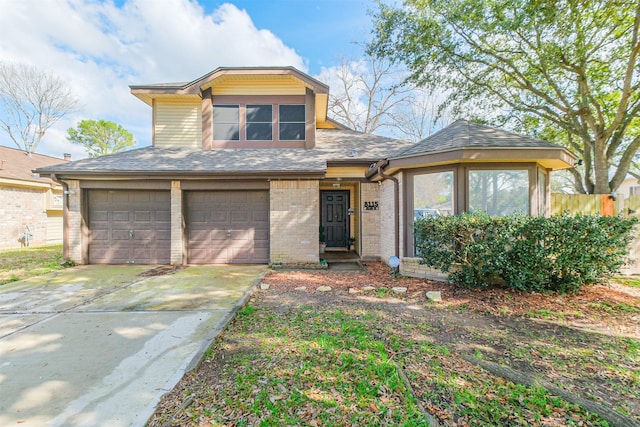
270 81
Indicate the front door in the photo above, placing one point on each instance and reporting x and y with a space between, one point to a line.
334 219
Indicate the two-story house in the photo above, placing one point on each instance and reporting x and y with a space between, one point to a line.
246 167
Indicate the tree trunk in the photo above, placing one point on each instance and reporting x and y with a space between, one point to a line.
601 168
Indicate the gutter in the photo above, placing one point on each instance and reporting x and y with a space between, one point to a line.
396 203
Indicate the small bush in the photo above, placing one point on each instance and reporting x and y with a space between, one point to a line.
560 254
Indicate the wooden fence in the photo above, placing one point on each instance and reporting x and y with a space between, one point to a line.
603 204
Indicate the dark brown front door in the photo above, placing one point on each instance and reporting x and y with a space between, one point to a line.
129 227
334 219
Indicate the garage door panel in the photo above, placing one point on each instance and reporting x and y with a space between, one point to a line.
120 196
100 235
142 216
129 226
237 220
163 216
261 234
120 216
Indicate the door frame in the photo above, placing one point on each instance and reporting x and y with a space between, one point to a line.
347 226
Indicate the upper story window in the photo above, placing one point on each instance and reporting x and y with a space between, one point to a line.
259 122
226 122
292 122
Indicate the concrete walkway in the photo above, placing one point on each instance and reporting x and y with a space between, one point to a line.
100 345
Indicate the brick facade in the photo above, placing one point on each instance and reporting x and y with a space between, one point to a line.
178 248
74 225
411 267
294 219
22 207
370 193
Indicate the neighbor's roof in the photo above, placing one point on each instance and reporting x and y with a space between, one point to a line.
465 134
16 165
331 146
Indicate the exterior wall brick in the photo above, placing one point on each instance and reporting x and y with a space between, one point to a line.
22 207
370 192
411 267
294 221
75 226
177 233
387 209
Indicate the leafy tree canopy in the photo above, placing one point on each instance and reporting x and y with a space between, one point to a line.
101 137
566 71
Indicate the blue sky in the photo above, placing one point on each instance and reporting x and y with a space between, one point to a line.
321 31
102 47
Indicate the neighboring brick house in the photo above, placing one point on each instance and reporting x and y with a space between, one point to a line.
28 203
246 167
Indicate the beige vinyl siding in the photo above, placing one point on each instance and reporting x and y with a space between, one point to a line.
178 124
54 227
346 171
273 87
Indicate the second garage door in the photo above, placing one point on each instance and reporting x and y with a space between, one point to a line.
227 227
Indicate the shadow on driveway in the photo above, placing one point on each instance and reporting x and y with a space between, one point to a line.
99 345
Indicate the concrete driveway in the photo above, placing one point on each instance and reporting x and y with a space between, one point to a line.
99 345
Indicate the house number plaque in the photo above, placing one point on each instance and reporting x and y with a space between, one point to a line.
371 206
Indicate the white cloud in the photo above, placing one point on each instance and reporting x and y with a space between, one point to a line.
101 49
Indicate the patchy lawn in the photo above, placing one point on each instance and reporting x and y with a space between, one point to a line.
493 357
18 264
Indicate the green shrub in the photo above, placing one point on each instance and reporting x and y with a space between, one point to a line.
561 253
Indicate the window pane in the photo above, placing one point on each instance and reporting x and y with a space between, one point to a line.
259 113
226 114
499 192
432 194
226 132
259 131
292 131
292 113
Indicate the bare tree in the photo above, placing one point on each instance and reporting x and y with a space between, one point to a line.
364 93
31 101
422 114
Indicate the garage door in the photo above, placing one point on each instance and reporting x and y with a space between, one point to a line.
129 227
227 226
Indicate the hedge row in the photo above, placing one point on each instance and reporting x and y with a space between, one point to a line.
560 254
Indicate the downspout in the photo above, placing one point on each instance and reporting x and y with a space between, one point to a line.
65 219
396 203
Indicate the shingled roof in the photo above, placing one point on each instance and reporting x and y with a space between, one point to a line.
464 134
332 145
16 165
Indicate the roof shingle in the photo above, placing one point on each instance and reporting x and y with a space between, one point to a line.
464 134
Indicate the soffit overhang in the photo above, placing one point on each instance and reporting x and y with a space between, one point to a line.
226 77
549 158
